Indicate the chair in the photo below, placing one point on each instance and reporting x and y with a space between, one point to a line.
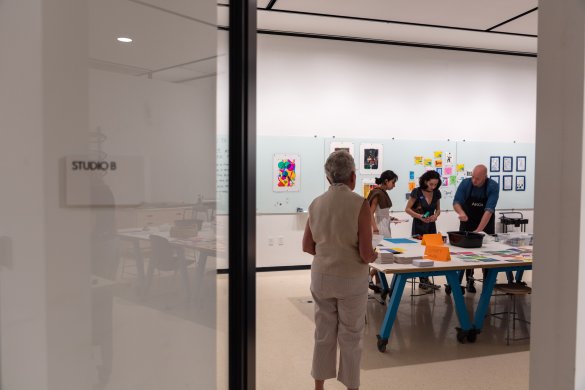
413 282
164 257
512 290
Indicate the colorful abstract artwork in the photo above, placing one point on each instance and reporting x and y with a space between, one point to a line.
286 172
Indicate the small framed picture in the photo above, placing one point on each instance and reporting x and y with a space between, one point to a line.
507 183
496 178
507 164
371 158
495 163
520 183
439 171
347 146
521 163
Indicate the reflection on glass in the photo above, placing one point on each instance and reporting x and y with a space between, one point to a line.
156 238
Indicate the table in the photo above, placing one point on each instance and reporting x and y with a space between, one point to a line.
205 248
468 330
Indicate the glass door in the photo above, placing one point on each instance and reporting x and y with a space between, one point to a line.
115 208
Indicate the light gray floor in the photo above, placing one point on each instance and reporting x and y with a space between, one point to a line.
422 353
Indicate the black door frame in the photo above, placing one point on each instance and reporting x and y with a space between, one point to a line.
242 195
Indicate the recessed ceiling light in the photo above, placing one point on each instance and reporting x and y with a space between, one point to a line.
124 39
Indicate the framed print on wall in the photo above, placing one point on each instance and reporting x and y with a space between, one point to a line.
521 163
520 183
496 178
286 173
367 186
507 184
371 158
495 164
507 164
348 146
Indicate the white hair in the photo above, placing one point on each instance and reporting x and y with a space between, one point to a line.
339 166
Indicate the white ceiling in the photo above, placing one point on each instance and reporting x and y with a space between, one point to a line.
176 40
458 23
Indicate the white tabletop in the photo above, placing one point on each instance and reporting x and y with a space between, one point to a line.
416 250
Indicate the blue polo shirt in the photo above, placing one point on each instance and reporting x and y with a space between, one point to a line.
466 190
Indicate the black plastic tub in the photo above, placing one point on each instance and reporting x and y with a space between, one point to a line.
465 239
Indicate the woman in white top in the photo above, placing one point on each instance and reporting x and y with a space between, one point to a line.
380 203
339 235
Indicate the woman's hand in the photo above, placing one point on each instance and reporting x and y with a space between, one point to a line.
432 218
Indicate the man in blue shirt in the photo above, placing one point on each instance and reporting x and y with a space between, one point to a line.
475 203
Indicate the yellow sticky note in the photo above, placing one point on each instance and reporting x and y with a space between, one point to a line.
460 167
428 162
438 154
418 160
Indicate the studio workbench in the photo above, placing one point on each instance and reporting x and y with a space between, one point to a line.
494 257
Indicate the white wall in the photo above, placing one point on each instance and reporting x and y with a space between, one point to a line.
334 88
143 117
22 278
345 89
557 359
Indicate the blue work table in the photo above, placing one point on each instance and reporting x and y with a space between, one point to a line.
468 329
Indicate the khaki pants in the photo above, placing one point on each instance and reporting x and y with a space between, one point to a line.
340 309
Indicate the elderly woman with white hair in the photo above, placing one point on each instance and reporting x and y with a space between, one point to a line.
339 235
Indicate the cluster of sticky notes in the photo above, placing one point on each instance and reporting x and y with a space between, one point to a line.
435 247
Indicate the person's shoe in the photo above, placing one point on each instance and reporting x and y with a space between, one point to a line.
521 283
375 288
471 288
424 286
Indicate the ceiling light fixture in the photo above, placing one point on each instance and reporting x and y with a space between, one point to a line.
124 39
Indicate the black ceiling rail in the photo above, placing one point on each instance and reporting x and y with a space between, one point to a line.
392 43
271 4
387 21
511 19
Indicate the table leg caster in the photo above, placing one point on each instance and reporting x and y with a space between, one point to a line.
381 344
464 336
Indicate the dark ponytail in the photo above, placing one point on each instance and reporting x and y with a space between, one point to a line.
386 175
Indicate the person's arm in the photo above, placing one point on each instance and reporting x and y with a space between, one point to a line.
493 194
373 206
408 210
485 219
308 242
367 253
459 199
459 210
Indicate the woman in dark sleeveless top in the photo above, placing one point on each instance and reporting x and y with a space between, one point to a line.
424 206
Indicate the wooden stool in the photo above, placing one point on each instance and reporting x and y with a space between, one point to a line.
512 290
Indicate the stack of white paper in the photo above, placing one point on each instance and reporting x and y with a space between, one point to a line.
423 263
